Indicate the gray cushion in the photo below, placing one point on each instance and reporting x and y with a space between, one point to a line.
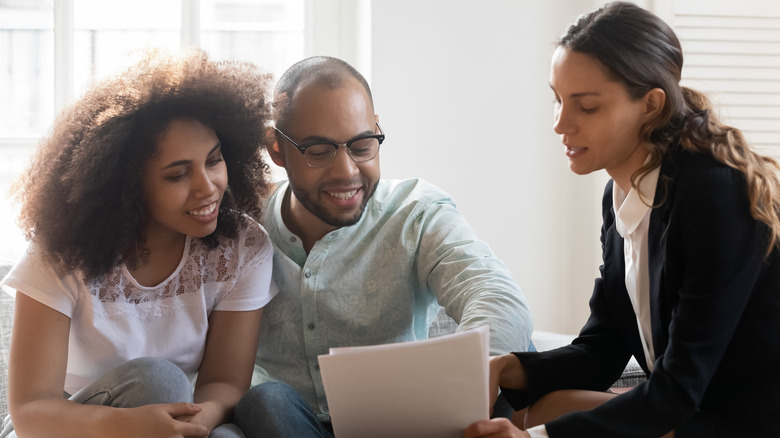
6 318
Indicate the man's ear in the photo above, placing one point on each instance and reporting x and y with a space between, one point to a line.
655 100
274 151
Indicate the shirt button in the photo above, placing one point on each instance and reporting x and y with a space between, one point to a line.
311 326
307 274
325 408
317 367
292 239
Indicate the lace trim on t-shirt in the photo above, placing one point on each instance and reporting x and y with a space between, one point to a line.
202 266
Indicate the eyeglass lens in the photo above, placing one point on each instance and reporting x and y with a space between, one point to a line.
363 149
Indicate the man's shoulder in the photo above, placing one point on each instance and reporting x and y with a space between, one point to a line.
399 192
270 203
275 189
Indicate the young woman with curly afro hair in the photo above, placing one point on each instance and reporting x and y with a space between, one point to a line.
146 267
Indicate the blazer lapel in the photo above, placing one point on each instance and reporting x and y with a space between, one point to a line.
656 237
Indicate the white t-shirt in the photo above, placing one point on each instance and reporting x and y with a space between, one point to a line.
114 319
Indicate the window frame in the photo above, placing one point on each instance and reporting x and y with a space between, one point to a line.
339 28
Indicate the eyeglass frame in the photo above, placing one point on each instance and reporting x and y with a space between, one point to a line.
302 147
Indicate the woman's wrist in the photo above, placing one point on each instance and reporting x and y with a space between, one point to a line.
511 373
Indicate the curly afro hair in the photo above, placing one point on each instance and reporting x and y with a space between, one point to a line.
82 199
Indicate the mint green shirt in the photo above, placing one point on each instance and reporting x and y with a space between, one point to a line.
379 281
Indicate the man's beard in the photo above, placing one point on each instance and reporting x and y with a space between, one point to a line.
318 210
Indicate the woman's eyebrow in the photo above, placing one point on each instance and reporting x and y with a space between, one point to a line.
186 162
579 94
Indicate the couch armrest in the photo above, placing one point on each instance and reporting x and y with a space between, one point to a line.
6 320
632 375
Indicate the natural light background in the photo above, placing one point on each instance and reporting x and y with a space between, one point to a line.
96 38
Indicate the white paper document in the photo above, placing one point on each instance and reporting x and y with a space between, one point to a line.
429 388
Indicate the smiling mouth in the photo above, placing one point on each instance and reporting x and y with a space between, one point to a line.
343 195
204 211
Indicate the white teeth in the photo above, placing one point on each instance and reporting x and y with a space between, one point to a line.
343 195
204 211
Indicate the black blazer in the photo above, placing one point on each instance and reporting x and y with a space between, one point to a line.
715 307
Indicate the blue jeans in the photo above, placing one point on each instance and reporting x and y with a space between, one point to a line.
138 382
274 409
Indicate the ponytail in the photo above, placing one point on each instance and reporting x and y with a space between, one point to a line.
703 133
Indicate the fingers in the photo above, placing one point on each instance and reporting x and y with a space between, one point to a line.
158 420
182 409
474 430
480 428
190 430
183 413
488 428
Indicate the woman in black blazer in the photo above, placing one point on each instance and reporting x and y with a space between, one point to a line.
690 281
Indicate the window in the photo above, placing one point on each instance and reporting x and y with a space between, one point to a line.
732 53
27 71
52 49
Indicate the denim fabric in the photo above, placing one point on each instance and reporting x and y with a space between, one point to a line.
138 382
228 430
274 409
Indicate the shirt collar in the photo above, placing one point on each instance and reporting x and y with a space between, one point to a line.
290 243
631 208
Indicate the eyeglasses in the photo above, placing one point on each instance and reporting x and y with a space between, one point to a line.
322 153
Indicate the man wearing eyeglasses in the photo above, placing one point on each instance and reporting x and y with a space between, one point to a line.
358 260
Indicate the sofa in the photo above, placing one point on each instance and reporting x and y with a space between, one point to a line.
6 318
443 324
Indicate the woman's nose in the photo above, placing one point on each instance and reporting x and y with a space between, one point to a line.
203 185
563 123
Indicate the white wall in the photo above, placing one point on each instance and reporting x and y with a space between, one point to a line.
461 91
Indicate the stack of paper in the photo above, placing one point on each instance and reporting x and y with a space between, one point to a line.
430 388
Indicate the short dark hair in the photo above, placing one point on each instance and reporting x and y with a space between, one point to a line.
325 71
82 198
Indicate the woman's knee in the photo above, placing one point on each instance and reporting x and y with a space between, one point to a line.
139 382
161 380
